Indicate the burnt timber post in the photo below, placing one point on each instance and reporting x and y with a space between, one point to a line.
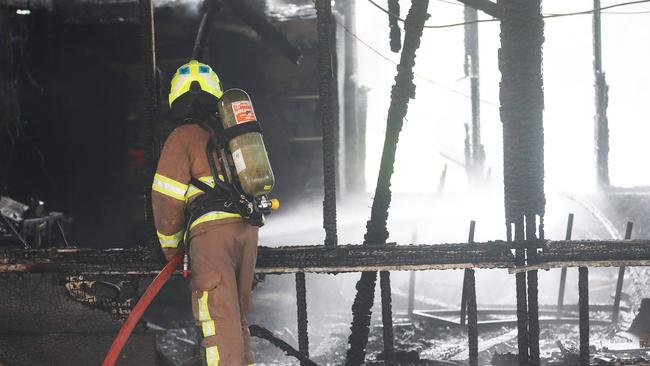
560 296
583 306
301 306
326 77
477 153
619 280
522 104
376 232
601 124
151 104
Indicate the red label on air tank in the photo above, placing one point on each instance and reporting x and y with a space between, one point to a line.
243 111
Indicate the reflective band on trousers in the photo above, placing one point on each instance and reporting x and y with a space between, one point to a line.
207 325
170 241
169 187
212 356
213 215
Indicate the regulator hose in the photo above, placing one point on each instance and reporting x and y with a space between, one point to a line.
142 305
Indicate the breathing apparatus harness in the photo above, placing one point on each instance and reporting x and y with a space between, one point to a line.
227 194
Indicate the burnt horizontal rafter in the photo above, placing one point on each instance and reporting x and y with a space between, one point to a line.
486 6
318 258
389 257
348 258
588 253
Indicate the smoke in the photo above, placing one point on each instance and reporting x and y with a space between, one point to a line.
424 218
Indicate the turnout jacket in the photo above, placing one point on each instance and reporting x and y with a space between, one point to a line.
183 157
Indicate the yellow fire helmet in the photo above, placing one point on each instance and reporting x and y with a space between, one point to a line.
186 75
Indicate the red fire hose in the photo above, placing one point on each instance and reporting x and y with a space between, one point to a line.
138 310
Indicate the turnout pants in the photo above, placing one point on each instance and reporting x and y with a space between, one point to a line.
223 255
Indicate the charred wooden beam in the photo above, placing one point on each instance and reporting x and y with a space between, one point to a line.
486 6
346 258
584 253
319 258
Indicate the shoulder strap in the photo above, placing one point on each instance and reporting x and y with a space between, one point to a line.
201 185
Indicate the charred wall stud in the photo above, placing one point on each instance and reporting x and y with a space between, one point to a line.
387 317
522 302
326 77
376 231
560 296
465 291
533 304
620 279
476 150
151 104
583 305
472 319
301 305
522 103
469 306
601 124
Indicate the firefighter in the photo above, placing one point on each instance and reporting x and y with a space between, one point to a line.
223 246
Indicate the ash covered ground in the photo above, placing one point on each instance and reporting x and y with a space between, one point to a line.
418 341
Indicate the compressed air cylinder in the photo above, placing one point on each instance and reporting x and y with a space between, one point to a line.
248 152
